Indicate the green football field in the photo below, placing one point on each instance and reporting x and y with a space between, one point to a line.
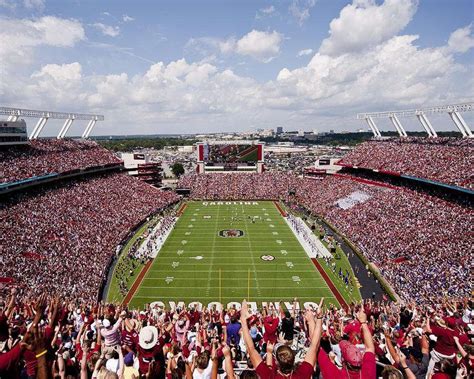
229 252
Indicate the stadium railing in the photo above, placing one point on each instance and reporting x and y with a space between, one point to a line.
8 188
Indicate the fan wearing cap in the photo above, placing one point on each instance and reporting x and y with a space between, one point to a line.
150 349
445 347
285 356
354 363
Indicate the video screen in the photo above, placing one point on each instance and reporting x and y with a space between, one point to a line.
230 153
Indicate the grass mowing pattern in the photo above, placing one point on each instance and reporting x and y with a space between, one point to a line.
177 274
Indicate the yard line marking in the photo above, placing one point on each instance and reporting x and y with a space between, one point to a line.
209 275
251 255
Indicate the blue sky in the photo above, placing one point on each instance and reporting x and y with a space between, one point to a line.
235 65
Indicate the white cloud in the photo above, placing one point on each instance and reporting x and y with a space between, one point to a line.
8 4
260 45
127 18
263 46
305 52
227 46
60 73
19 36
107 30
183 96
364 23
300 9
265 12
461 40
394 72
34 4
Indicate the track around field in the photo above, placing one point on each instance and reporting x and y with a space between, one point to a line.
282 212
181 209
136 284
330 284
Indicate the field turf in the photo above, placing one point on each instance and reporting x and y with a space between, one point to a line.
195 255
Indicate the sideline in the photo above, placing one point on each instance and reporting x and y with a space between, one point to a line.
282 212
330 284
136 283
181 209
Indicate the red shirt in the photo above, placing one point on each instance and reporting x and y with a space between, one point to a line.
304 371
130 339
352 329
330 371
271 325
9 361
3 328
155 353
445 344
91 352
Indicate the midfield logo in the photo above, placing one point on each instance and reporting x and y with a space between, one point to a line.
231 233
267 258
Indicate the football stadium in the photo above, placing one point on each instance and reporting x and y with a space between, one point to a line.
253 254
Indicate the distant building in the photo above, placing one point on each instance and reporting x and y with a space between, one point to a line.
141 166
279 130
267 133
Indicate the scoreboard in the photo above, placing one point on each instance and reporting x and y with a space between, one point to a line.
244 156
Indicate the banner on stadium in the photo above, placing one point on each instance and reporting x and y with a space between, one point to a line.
353 199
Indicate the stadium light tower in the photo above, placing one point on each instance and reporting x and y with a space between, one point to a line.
453 110
43 116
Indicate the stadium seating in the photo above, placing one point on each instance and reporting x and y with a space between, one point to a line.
373 340
57 242
46 156
446 160
61 240
249 186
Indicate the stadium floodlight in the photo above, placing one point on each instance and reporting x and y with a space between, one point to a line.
453 110
15 113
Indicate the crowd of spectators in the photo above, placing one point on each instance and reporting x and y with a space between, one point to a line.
447 160
61 239
47 156
52 338
235 186
420 243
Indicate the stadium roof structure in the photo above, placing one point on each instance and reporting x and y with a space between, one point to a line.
453 110
15 113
